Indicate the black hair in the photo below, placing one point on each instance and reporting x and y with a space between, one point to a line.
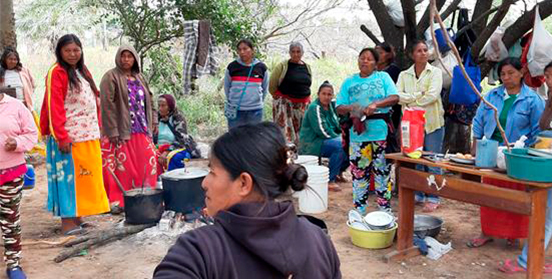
247 42
370 49
260 150
324 85
415 44
548 66
512 61
3 64
389 49
73 78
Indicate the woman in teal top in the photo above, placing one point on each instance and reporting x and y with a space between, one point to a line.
320 133
367 96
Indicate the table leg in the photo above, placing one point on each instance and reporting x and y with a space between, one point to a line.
405 246
535 257
406 218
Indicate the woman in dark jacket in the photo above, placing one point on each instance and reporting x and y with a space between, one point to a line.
172 137
253 235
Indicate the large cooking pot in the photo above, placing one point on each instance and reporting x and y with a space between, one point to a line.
182 189
143 206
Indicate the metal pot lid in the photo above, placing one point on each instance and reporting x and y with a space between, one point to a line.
185 173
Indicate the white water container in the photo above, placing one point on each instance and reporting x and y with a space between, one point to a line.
314 198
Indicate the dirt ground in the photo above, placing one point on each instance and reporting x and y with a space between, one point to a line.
137 258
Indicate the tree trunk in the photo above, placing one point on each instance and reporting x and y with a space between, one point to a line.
7 24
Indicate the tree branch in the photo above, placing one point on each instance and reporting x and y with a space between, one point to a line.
390 32
370 35
424 21
472 24
409 13
495 22
451 8
481 8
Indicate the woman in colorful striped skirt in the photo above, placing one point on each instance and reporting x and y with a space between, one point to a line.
70 119
128 120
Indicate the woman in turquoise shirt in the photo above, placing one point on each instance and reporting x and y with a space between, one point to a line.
520 109
368 94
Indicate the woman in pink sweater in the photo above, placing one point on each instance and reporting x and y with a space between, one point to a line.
18 134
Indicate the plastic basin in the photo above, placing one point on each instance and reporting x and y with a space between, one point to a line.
372 239
520 165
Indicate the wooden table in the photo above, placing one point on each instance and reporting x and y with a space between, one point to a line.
466 186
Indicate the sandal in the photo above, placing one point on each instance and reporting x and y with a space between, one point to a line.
430 207
478 242
511 267
333 187
86 225
75 231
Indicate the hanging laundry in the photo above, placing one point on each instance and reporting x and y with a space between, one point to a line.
200 52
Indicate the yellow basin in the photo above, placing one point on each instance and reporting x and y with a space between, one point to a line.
372 239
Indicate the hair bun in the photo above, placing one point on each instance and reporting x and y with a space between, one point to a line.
296 176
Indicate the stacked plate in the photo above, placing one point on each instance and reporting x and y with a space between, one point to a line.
314 198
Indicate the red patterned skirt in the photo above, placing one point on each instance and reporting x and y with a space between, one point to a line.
133 162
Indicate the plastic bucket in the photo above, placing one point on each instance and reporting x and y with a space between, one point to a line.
486 153
520 165
29 178
372 239
314 198
306 160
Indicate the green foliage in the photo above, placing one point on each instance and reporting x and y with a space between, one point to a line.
231 20
164 70
50 19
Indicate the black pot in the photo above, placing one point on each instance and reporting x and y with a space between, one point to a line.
182 191
143 206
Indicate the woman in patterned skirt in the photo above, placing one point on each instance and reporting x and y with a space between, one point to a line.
289 85
128 120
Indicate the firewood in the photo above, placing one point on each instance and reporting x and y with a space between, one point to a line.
99 239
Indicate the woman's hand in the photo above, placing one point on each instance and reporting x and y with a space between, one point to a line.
163 158
114 140
65 147
371 109
10 145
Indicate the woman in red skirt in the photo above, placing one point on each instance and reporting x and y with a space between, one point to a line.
128 121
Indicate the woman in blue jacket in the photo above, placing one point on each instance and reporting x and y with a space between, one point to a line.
520 109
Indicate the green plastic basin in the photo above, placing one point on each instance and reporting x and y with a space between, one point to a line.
520 165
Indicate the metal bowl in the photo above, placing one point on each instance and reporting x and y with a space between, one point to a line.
427 225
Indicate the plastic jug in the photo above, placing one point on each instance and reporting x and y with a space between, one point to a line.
29 179
486 151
